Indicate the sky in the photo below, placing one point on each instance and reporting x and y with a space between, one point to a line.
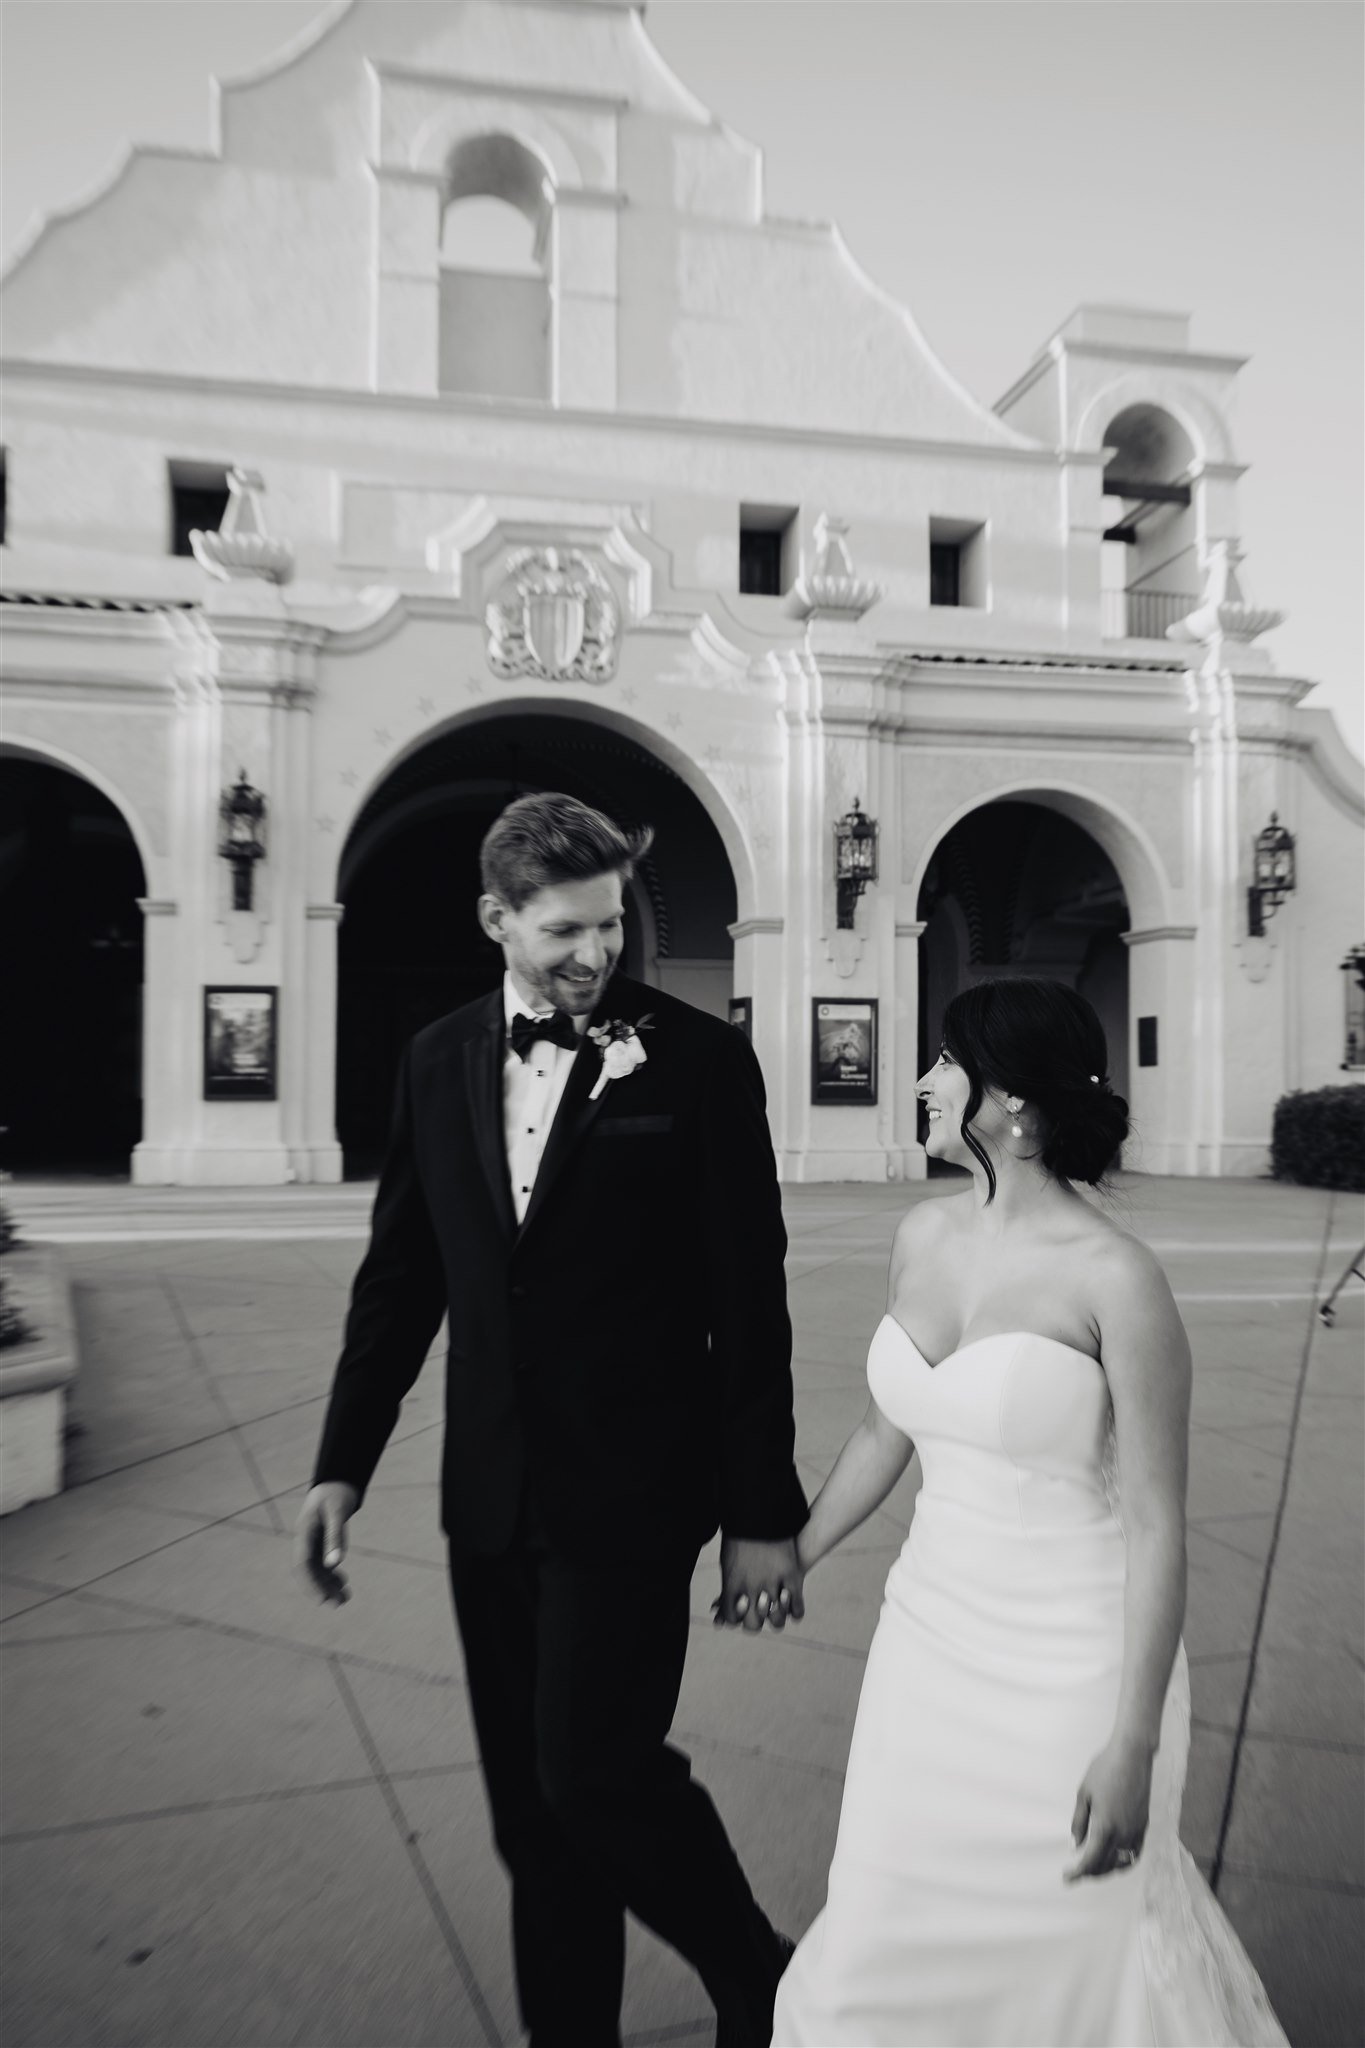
991 163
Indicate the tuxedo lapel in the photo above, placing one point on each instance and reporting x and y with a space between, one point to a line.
483 1063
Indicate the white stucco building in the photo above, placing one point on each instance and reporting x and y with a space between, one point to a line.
682 516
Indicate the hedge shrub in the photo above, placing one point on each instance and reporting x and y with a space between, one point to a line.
1318 1139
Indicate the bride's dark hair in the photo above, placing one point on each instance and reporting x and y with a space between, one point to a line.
1040 1040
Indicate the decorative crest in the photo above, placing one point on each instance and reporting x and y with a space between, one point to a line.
554 615
831 589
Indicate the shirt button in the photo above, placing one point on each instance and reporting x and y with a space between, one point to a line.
526 1191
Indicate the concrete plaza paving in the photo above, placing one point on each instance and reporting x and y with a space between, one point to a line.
232 1816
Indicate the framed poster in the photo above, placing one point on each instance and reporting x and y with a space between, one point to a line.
843 1051
239 1044
742 1015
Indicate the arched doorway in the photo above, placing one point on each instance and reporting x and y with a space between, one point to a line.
410 948
70 1040
1018 888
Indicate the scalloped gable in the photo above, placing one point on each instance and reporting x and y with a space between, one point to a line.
257 262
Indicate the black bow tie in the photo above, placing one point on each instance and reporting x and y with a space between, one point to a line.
558 1027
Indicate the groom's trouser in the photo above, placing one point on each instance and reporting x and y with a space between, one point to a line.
573 1674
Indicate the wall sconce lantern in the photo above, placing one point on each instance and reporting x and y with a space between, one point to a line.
1273 867
242 811
855 861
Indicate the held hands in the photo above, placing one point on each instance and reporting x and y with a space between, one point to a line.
1110 1821
759 1583
320 1538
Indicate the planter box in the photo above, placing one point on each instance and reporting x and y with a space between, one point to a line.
34 1377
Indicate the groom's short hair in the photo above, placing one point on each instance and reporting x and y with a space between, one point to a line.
540 841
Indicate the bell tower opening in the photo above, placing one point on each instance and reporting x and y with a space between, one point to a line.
1149 564
495 299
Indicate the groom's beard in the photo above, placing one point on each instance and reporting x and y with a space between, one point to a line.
576 995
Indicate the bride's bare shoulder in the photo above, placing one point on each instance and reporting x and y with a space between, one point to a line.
930 1221
1119 1265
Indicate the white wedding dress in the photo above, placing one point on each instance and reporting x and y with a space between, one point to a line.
991 1683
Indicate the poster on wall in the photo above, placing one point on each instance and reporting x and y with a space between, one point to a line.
239 1044
843 1051
742 1015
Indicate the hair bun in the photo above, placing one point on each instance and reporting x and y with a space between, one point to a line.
1088 1130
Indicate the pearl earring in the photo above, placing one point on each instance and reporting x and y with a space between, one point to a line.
1016 1129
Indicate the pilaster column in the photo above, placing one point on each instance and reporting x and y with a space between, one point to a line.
1161 989
318 1158
165 1084
908 1160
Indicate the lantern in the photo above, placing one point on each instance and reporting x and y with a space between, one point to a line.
1273 871
855 860
242 812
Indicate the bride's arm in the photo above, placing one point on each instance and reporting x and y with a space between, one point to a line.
864 1473
877 1453
1146 1359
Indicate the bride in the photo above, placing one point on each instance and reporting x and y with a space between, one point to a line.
1007 1868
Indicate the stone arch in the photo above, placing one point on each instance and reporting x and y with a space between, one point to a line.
45 752
1135 858
1193 412
726 820
439 143
409 948
500 166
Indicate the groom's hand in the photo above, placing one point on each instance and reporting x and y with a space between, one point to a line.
759 1582
320 1538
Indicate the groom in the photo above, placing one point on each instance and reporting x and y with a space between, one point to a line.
580 1177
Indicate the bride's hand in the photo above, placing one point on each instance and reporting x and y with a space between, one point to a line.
1110 1821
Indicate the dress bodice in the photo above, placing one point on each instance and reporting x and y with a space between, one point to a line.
1011 1426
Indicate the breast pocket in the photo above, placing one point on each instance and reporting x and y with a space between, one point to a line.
632 1126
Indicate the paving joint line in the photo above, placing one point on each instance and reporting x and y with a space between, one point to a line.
174 1617
226 1802
407 1834
1244 1712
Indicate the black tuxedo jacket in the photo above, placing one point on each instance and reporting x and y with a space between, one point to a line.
626 1351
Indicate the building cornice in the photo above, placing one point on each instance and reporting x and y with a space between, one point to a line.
932 735
1152 358
1086 667
1114 352
20 369
496 89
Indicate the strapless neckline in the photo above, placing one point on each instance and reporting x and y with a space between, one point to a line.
992 1337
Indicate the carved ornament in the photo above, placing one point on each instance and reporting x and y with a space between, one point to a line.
554 615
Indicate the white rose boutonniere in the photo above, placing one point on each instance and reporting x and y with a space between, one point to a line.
621 1050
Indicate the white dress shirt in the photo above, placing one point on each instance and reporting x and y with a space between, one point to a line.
531 1089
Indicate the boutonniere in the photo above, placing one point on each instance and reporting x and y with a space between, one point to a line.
618 1042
